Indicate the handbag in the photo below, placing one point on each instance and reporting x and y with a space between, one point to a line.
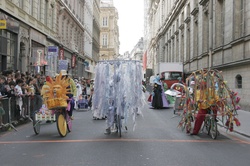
150 98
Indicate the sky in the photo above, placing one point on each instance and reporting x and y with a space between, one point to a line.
130 22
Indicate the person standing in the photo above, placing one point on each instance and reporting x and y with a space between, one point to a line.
90 97
3 89
72 94
205 102
164 87
19 100
157 99
2 112
78 92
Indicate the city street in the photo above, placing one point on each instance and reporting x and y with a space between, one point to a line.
155 141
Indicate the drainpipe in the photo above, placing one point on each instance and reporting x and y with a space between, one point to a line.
210 33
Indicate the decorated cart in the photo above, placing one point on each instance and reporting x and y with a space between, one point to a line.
55 105
208 88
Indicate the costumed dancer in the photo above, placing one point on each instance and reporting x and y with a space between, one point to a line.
159 98
72 94
110 114
164 98
206 98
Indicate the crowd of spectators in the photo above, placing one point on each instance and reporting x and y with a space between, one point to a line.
22 87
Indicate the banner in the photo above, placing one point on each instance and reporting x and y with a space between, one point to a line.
73 61
61 54
62 65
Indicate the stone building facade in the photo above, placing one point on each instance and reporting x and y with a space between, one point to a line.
137 51
202 34
96 30
109 33
42 33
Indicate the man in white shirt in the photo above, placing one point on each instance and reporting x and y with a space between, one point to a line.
78 91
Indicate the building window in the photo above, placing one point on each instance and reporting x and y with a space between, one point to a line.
187 58
177 50
51 17
220 23
39 10
238 18
21 4
205 32
238 81
105 40
31 7
195 40
7 50
105 21
46 13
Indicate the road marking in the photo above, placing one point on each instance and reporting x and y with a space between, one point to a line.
121 140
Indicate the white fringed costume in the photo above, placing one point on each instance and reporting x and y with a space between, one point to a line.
118 89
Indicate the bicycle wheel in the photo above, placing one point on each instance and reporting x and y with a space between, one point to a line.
119 125
36 125
213 128
183 126
61 124
69 122
207 124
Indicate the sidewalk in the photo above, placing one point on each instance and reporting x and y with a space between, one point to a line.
244 118
244 128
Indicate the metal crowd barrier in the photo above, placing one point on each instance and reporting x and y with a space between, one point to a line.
12 113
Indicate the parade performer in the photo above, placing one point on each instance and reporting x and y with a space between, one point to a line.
159 98
209 94
205 101
117 92
72 94
56 92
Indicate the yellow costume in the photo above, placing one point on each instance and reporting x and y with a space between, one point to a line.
55 92
207 97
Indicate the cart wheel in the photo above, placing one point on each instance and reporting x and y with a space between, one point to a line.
36 125
213 130
61 124
69 122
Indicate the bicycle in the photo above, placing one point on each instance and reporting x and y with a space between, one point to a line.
64 123
59 115
118 124
210 124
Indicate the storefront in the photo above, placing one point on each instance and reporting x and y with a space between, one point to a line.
52 60
9 29
89 70
68 57
80 67
38 61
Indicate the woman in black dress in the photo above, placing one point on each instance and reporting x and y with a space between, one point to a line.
157 96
